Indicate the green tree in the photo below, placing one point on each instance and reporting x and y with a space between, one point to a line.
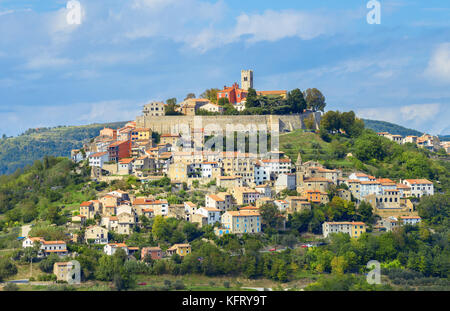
210 94
315 99
296 101
365 210
435 210
223 101
7 268
189 96
251 100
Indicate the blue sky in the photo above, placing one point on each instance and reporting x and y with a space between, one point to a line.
126 53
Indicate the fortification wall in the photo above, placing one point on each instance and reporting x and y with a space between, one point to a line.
177 124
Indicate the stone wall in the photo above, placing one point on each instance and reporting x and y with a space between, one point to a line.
177 124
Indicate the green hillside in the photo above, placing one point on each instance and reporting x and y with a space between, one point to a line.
34 144
383 126
370 153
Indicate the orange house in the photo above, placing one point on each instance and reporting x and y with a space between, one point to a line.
119 150
233 93
318 197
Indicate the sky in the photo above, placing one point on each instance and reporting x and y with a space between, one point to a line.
124 54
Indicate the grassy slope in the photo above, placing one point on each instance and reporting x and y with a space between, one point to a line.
308 144
17 152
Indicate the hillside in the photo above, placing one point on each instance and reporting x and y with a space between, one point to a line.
372 154
383 126
34 144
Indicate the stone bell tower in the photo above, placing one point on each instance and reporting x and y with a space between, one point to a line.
246 79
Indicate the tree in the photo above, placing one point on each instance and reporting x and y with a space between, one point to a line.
369 146
170 107
315 99
270 217
296 101
435 210
223 101
251 100
189 96
338 265
7 268
210 94
365 211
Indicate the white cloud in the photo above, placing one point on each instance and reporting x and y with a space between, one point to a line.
276 25
420 113
268 26
439 64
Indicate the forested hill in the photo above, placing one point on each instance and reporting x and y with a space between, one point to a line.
383 126
34 144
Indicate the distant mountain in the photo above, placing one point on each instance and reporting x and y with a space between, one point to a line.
383 126
34 144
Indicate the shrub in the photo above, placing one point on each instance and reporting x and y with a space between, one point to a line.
11 287
179 285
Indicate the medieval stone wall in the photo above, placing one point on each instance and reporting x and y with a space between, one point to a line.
177 124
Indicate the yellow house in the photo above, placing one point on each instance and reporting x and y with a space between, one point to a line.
180 249
87 210
141 134
354 229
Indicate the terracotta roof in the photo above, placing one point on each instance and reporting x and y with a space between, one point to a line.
53 242
243 213
117 245
143 201
126 161
98 154
284 92
86 203
249 208
216 198
418 181
117 143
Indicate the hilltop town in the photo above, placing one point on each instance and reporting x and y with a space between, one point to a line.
160 192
